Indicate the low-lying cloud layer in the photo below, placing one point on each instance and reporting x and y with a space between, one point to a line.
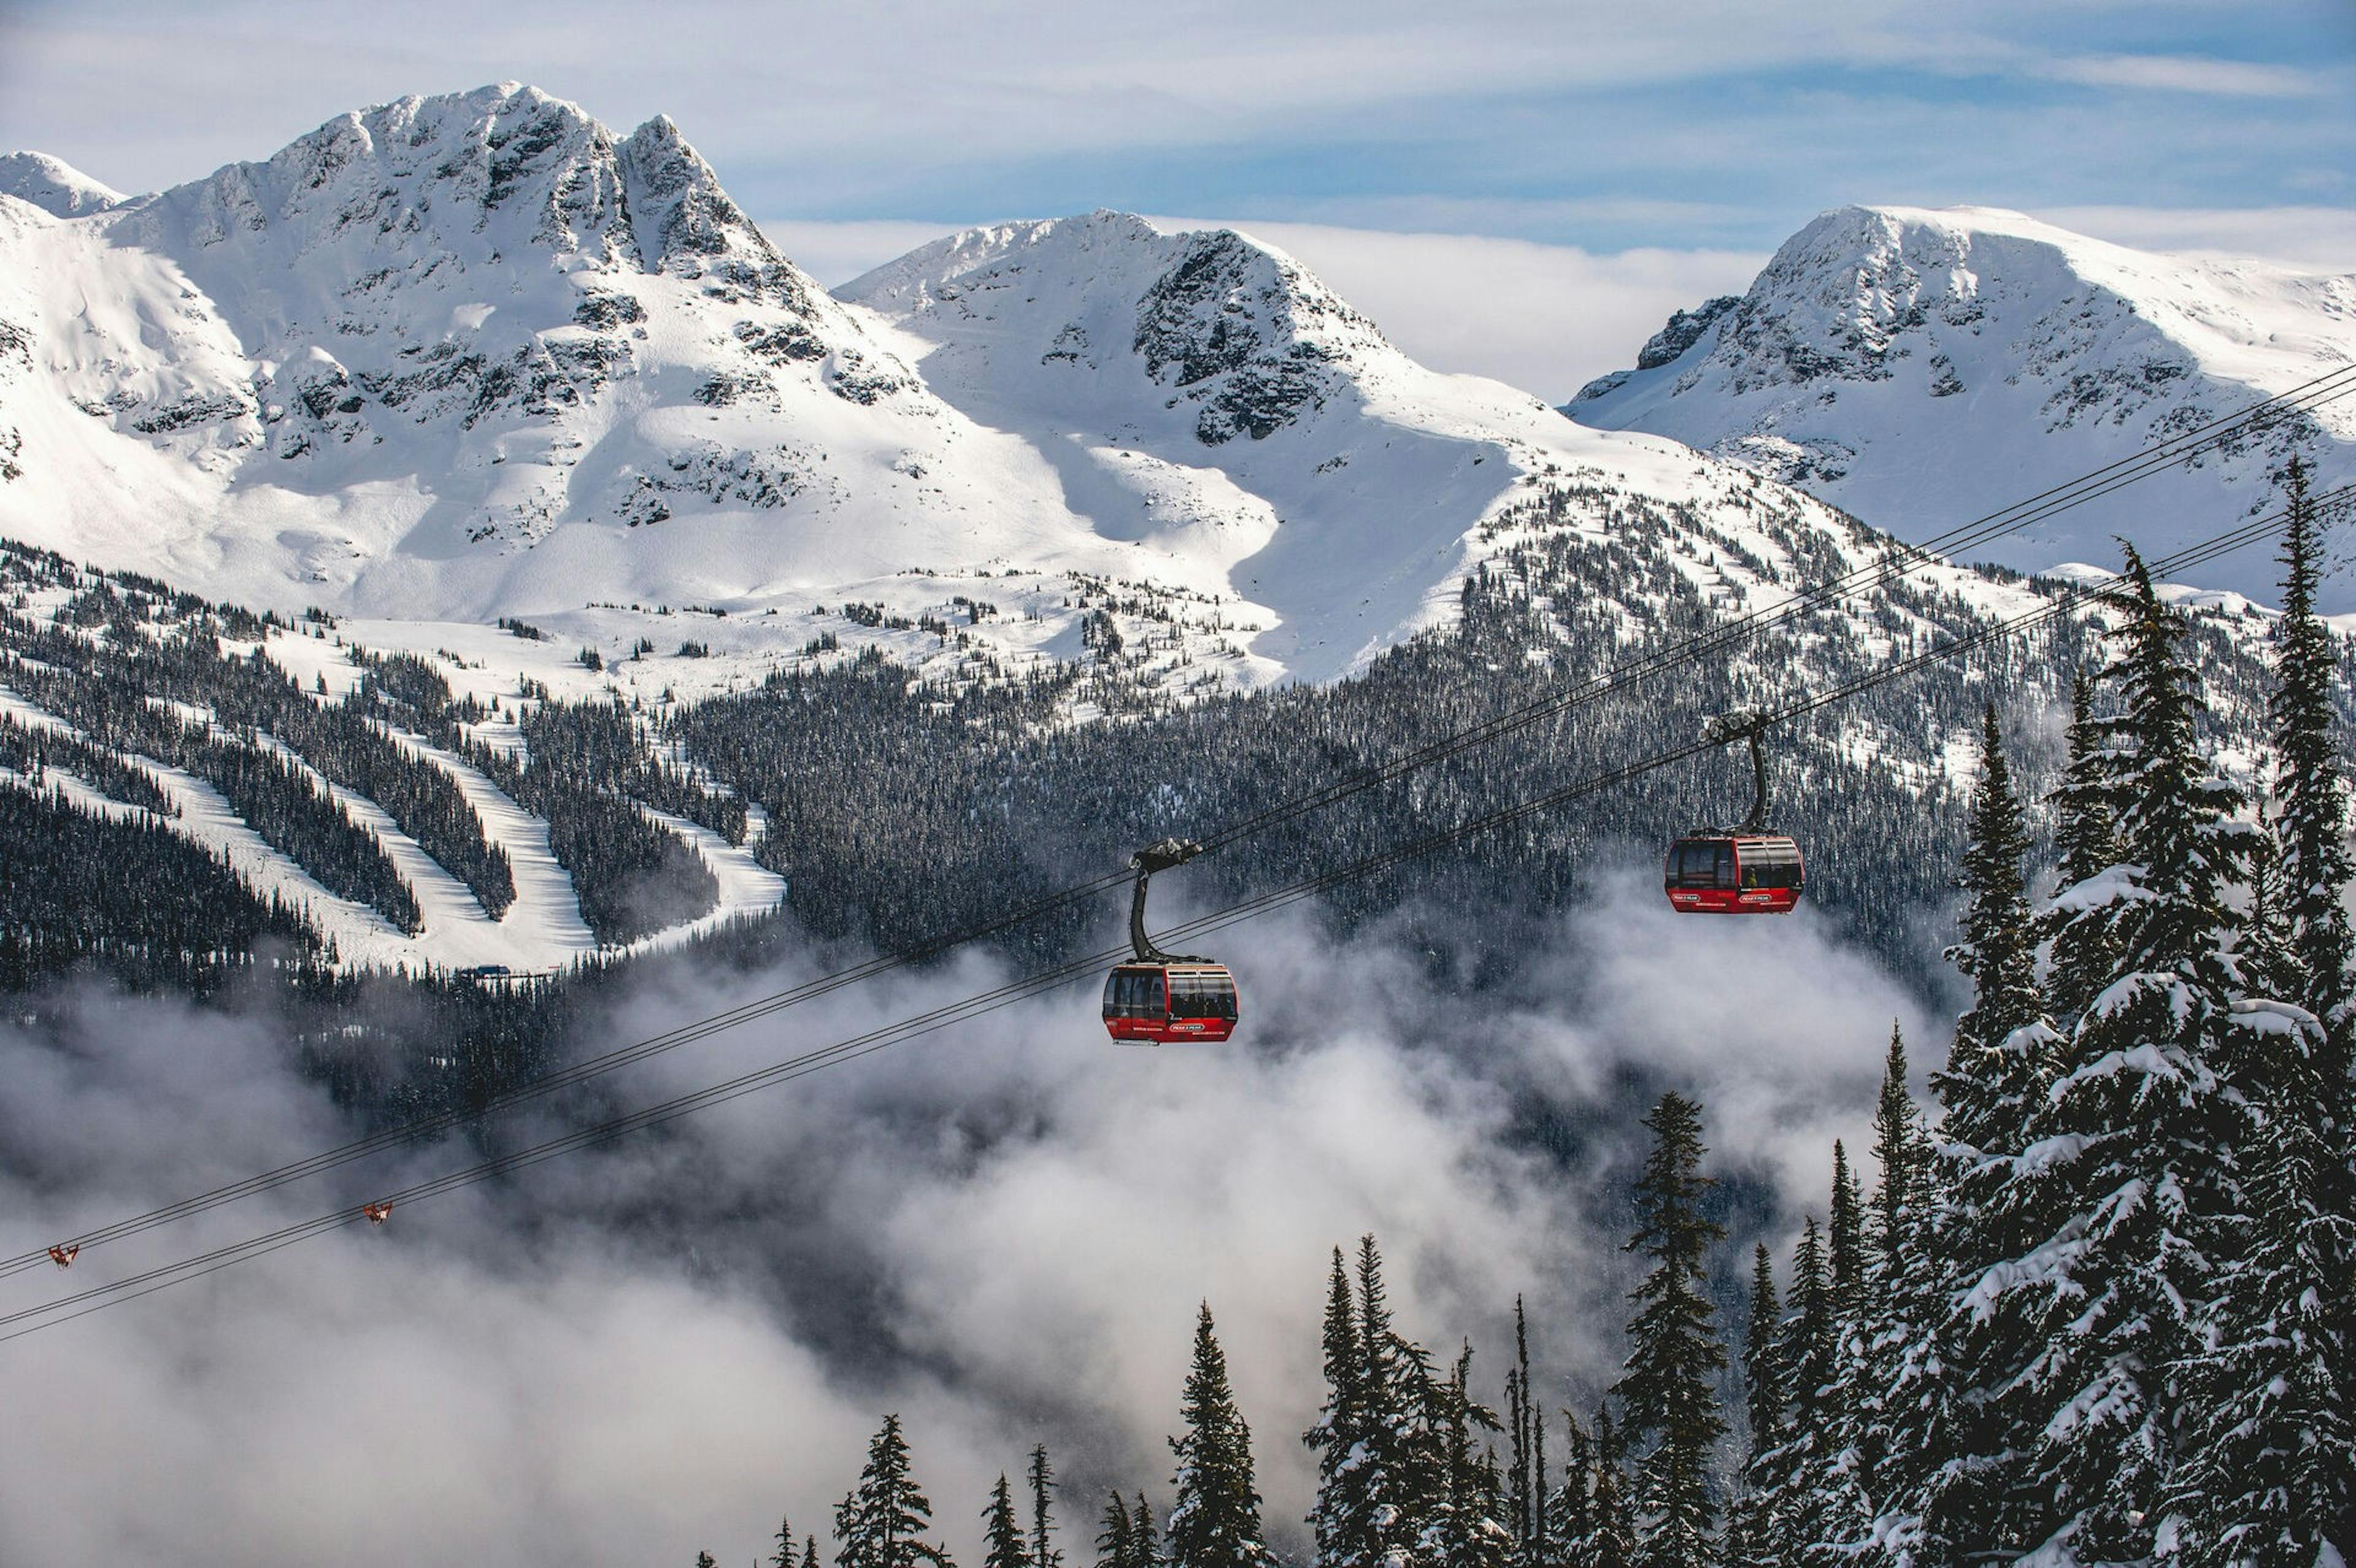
1000 1231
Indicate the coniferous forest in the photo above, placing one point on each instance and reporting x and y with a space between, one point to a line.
2093 1302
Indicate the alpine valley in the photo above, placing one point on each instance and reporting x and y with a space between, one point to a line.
484 634
467 541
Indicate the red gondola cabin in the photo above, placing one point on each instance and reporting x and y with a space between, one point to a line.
1178 1003
1734 873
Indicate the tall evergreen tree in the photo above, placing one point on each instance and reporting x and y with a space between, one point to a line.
1116 1546
1901 1147
810 1552
1042 1477
1994 1070
1792 1494
1570 1510
2314 870
1342 1521
881 1522
1144 1542
2310 781
1904 1417
1463 1523
1669 1388
1391 1490
1215 1523
788 1552
1525 1473
1750 1536
1998 1073
1002 1532
2133 1146
1614 1542
1848 1238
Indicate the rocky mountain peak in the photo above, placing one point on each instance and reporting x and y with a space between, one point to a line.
1230 330
1921 367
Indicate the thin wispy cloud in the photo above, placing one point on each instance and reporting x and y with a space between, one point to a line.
2176 73
1607 127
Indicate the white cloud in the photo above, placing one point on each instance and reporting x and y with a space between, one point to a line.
1000 1233
2323 238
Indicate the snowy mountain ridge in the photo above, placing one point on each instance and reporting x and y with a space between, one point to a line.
472 355
1920 368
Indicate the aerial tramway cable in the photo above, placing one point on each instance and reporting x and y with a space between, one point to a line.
51 1314
1886 567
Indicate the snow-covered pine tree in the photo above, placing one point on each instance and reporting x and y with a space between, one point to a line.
1839 1514
1613 1543
1041 1478
1419 1475
1848 1238
1215 1523
1392 1490
1115 1545
1901 1147
2314 870
1145 1546
1998 1071
1748 1535
2266 1470
1570 1510
1842 1514
1668 1392
1792 1491
1904 1413
881 1522
2075 926
1004 1546
2133 1146
1464 1525
1994 1070
1342 1521
2310 782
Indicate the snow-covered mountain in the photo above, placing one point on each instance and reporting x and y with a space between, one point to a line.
1202 396
1921 368
474 355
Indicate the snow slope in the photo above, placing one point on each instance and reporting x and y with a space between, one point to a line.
1204 398
387 368
1921 368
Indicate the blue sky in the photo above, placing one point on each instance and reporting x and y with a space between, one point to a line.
1706 130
